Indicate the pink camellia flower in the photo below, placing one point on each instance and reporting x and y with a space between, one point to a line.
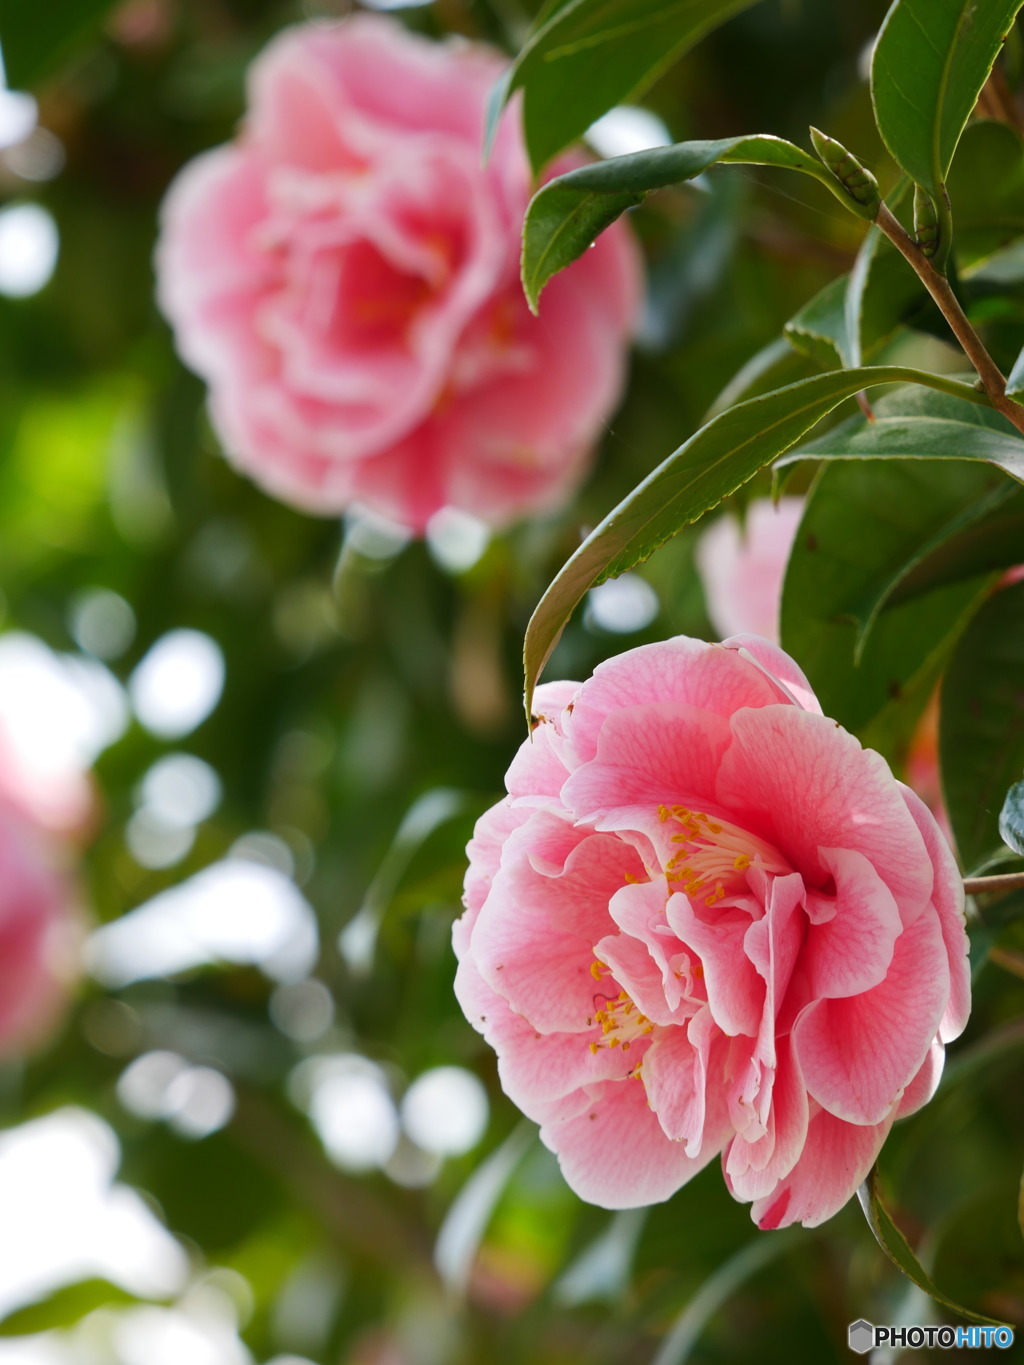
37 933
742 568
706 920
345 278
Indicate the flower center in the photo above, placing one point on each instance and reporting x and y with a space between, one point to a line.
620 1021
714 855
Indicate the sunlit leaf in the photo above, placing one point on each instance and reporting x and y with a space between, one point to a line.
584 56
930 62
64 1307
565 216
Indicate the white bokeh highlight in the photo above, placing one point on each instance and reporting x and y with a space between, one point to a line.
627 129
621 605
29 246
349 1102
445 1111
65 1218
178 683
456 540
235 911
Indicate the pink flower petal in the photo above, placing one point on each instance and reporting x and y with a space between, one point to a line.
851 951
948 899
858 1055
615 1153
658 754
835 1160
814 786
681 670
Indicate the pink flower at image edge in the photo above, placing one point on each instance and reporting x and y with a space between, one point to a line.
345 277
707 921
38 930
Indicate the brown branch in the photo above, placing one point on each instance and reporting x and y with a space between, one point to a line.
1007 881
938 286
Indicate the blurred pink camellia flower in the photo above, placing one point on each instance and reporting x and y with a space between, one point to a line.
706 920
38 932
742 567
345 278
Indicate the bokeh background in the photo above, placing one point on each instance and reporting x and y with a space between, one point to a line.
264 1131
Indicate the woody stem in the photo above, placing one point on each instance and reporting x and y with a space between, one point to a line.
938 286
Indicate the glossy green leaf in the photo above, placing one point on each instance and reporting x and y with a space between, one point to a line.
863 523
981 736
930 62
585 56
909 426
713 463
898 1250
819 328
64 1307
34 44
1011 818
567 213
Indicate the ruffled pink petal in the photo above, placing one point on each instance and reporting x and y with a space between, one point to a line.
651 755
753 1169
679 670
735 991
925 1083
948 899
545 1075
484 853
790 679
812 785
851 952
858 1055
615 1153
566 910
684 1073
835 1160
651 963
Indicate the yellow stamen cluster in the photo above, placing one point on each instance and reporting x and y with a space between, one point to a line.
714 854
621 1022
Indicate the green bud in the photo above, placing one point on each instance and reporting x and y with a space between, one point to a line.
927 230
858 182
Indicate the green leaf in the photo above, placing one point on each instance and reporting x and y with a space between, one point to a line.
819 329
981 732
986 190
898 1250
603 1268
909 425
33 44
863 523
585 56
64 1307
1011 818
930 62
713 463
567 213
